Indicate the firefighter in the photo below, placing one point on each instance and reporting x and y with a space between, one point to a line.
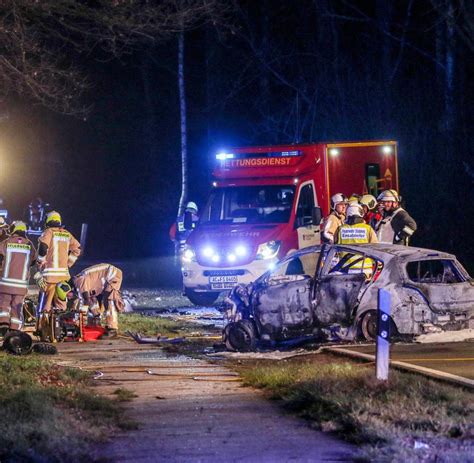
335 219
58 251
355 230
184 225
17 255
371 215
98 289
396 226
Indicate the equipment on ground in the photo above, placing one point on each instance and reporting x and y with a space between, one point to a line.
17 342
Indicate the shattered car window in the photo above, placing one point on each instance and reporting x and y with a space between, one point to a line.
345 263
302 265
433 271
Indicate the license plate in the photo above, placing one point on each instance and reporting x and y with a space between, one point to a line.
223 282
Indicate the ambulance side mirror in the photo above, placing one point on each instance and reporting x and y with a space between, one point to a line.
316 215
188 220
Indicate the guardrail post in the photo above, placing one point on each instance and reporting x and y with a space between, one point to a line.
383 335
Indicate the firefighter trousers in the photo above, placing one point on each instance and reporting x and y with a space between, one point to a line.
48 299
110 310
11 310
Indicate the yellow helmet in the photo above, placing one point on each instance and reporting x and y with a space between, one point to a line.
53 216
62 290
18 226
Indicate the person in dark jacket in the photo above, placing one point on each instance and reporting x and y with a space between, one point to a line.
396 226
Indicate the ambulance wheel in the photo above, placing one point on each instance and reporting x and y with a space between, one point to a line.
241 336
368 326
201 299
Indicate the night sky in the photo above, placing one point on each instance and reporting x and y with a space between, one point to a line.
282 72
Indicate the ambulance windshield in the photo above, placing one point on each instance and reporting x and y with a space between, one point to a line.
249 204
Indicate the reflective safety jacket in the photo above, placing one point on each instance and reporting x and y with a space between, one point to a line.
17 254
98 278
358 233
330 225
396 227
58 250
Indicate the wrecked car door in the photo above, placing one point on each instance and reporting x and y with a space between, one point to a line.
283 306
446 287
338 286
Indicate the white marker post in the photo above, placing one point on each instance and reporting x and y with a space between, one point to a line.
383 335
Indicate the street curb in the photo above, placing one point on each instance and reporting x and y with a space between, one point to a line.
440 375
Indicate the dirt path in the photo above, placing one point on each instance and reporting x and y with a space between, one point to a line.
189 410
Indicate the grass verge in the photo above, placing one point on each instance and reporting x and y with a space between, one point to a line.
411 418
198 336
49 413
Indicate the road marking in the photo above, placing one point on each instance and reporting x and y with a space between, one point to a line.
467 359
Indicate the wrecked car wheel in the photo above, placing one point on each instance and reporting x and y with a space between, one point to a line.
241 336
202 299
368 325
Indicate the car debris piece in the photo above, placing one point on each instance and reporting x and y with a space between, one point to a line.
137 337
98 375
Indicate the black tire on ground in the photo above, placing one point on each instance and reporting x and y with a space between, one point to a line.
368 325
45 348
201 299
241 336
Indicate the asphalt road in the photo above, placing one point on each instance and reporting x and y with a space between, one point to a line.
456 358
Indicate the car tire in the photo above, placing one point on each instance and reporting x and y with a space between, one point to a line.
201 299
368 325
241 336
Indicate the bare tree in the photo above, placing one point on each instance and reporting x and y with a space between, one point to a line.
41 39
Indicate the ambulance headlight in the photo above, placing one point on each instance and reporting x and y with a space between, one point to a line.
208 252
188 255
241 251
268 250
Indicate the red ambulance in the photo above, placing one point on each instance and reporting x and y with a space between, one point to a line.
262 206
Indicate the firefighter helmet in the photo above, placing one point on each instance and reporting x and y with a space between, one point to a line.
18 226
355 210
369 201
389 195
192 207
337 199
53 218
63 288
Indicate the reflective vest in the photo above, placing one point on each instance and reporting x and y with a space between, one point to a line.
358 233
385 231
18 254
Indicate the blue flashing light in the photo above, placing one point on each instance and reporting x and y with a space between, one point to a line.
224 156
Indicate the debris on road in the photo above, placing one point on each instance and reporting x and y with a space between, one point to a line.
137 337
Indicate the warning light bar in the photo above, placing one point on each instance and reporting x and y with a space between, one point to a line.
224 156
269 154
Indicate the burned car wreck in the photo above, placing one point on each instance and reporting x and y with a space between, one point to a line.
330 288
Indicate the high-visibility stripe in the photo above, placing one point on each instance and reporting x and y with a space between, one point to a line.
13 284
96 268
4 314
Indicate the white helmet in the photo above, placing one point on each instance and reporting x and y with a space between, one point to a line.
192 206
355 210
369 201
389 195
337 199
